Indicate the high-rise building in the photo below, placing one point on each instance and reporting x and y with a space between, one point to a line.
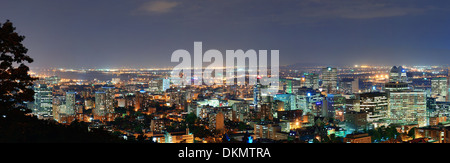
375 104
240 112
348 86
109 99
398 80
286 85
289 100
398 74
43 100
332 104
257 94
310 80
439 88
153 86
329 80
220 120
159 85
266 112
165 84
100 104
407 107
355 85
306 98
70 103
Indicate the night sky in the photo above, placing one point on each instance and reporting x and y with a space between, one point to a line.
144 33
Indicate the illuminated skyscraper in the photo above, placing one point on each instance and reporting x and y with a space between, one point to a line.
404 106
220 120
109 99
376 105
407 107
311 80
439 88
348 86
165 84
286 85
329 80
100 104
70 103
398 74
398 80
42 100
257 94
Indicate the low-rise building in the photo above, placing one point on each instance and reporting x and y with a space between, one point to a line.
358 138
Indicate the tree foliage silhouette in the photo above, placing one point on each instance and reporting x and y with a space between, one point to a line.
16 89
15 82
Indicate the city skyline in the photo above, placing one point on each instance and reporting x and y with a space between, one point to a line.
225 71
144 33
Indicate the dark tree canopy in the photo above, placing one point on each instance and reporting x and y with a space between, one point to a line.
16 88
15 82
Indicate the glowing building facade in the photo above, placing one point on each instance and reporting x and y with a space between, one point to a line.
43 100
407 108
439 89
329 80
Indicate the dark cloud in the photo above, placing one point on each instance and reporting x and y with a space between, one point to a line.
157 7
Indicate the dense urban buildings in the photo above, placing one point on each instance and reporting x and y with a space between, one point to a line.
343 104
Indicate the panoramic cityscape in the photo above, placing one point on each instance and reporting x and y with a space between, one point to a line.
224 79
352 104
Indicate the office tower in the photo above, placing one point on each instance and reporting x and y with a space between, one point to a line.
332 104
220 122
306 98
165 84
159 85
398 81
240 111
100 104
42 100
398 74
57 102
348 86
266 112
329 80
376 105
407 107
70 103
289 100
311 80
286 85
355 85
109 99
296 84
153 86
257 94
439 88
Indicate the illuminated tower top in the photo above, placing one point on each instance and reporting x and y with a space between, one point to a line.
398 74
